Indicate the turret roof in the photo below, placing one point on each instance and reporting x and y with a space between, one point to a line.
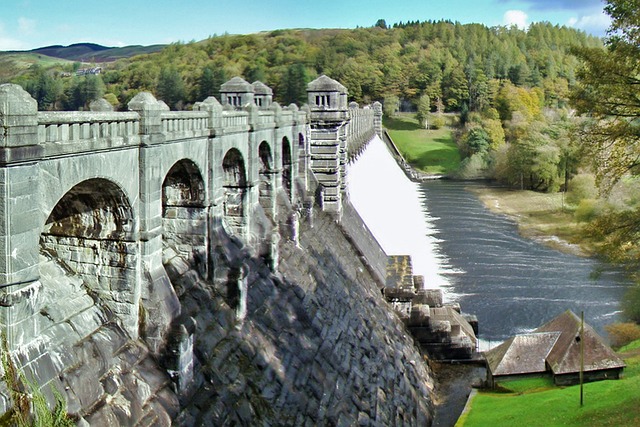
236 84
326 84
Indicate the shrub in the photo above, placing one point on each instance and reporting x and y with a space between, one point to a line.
581 187
436 121
622 334
587 210
473 167
631 303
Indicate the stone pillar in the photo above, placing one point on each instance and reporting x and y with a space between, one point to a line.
160 303
377 118
214 108
328 116
20 217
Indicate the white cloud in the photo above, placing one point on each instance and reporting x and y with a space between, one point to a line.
596 23
7 43
515 17
26 26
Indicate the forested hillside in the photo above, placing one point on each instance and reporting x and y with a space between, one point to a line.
510 87
454 64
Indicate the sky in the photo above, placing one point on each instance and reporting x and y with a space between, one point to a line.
29 24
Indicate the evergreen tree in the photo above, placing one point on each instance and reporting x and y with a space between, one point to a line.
295 84
170 87
210 81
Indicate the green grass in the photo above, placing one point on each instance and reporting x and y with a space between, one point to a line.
14 64
631 346
532 403
429 151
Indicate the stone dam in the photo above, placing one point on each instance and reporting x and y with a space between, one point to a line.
205 267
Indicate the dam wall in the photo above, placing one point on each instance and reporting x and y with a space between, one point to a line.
193 268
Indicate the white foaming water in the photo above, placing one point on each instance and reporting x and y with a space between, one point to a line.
395 211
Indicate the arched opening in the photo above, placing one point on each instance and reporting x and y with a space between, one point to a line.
302 157
90 232
287 168
266 175
184 214
265 226
234 185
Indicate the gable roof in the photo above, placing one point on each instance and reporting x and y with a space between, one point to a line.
564 358
522 354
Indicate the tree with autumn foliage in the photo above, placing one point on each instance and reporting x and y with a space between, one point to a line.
608 94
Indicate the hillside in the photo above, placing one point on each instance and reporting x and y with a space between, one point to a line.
90 52
13 64
453 64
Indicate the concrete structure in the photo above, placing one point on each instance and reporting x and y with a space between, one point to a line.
161 266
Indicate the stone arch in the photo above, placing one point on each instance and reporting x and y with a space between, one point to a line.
287 169
266 175
96 208
91 232
302 153
235 189
184 213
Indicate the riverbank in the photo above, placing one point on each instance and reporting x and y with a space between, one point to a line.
540 216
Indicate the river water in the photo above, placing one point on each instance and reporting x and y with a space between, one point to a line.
477 257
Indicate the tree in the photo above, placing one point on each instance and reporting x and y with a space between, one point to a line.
608 93
44 88
82 91
424 106
295 84
390 105
170 87
381 23
210 81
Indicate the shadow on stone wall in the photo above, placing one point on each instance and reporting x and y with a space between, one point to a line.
320 346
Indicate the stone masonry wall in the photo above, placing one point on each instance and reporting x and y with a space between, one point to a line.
318 346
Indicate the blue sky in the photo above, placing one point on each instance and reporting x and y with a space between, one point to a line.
27 24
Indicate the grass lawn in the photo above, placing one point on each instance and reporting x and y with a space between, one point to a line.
429 151
538 403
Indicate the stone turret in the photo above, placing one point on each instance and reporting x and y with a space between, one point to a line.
325 94
237 93
263 95
329 115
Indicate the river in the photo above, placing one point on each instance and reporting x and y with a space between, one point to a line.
512 284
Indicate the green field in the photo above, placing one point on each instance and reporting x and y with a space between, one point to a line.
536 402
429 151
13 64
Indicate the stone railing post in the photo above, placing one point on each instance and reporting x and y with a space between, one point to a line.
214 108
150 111
377 118
21 219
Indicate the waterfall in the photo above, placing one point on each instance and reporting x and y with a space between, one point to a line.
396 213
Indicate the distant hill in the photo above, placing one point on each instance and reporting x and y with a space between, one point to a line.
91 52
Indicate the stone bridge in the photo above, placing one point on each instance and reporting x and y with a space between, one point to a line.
105 193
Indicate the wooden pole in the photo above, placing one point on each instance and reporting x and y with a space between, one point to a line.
581 358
